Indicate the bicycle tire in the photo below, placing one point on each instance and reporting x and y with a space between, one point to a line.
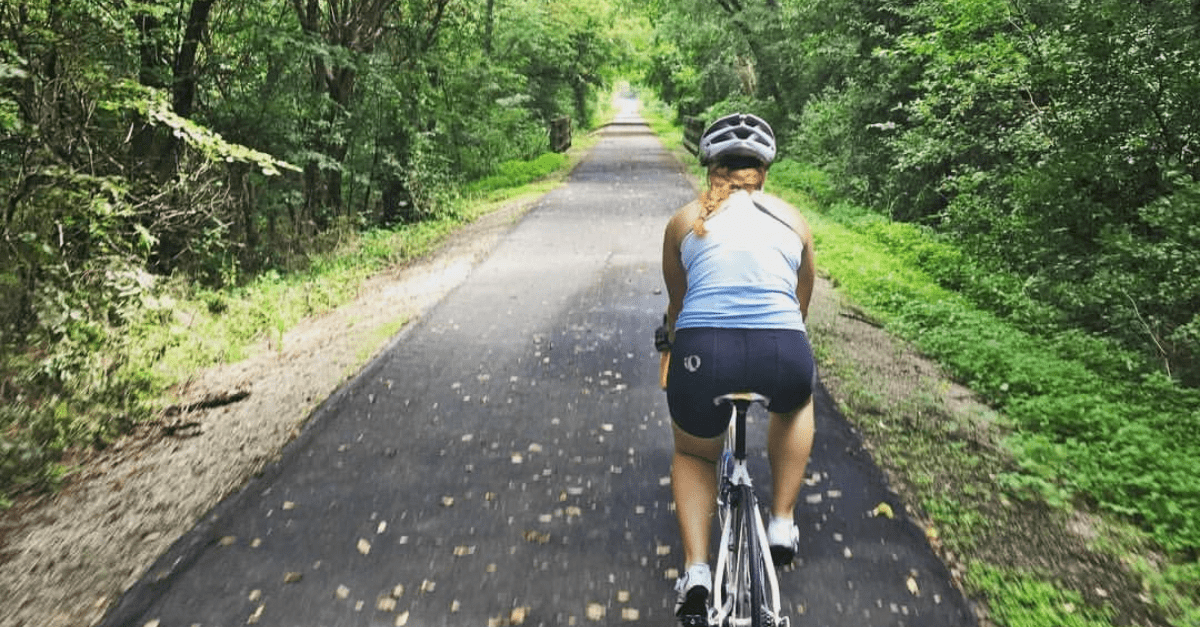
761 616
745 569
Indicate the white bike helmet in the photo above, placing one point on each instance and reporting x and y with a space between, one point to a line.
738 135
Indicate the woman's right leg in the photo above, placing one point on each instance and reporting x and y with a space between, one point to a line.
789 444
694 484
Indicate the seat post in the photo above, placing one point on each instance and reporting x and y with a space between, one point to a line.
741 402
739 441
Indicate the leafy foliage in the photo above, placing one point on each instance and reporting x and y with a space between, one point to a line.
1055 140
148 144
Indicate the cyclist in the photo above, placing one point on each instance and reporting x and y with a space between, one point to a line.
738 267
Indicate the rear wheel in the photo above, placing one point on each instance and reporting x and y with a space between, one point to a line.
745 575
762 615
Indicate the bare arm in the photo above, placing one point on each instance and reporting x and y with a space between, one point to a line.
806 276
674 274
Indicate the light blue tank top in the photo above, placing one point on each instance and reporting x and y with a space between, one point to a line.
742 273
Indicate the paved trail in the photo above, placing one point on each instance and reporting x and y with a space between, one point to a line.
506 461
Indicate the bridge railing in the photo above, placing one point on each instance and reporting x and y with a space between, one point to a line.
692 128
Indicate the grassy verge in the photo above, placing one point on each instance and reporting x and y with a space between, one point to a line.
1074 497
1082 434
661 120
992 483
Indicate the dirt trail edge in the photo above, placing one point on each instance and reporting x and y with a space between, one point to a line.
65 558
527 525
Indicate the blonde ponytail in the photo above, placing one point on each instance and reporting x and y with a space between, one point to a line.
723 181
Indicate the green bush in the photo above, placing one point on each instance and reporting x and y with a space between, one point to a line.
802 177
516 173
28 452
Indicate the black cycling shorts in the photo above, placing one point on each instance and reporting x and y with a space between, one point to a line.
708 362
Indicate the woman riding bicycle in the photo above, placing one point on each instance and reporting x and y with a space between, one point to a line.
738 265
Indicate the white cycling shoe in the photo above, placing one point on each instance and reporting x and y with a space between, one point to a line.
784 538
691 596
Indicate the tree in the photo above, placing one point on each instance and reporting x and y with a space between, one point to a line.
140 140
348 29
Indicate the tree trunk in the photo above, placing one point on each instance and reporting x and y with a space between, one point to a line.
152 148
764 66
355 25
341 92
184 93
490 23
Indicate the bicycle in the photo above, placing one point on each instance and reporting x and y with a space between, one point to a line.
745 586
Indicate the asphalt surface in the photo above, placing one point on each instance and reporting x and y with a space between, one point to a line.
506 461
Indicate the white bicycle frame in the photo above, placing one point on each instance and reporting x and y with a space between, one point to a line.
731 473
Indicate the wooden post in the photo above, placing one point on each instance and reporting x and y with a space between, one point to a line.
560 134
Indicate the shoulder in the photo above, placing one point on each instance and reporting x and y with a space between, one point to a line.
787 212
681 223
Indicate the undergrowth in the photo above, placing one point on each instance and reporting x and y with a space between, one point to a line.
511 173
108 373
1092 425
1018 600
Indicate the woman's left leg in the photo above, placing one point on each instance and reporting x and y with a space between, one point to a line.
694 485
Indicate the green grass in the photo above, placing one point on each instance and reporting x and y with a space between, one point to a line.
1090 423
1019 600
510 174
1088 426
211 327
200 328
197 329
